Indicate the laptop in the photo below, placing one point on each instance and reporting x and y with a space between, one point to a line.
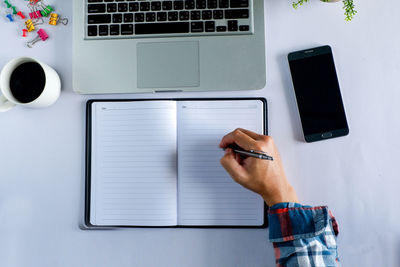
128 46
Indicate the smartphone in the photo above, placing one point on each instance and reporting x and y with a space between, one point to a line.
317 93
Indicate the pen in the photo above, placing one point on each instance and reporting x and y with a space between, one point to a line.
252 153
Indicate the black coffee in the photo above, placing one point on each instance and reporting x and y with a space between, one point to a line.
27 82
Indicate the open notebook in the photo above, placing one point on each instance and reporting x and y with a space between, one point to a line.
156 163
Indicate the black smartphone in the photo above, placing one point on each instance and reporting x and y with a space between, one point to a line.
317 93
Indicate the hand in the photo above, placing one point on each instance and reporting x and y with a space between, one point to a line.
264 177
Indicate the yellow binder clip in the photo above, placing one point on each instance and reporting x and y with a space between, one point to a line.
30 24
54 19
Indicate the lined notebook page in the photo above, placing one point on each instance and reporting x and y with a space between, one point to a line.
206 193
134 178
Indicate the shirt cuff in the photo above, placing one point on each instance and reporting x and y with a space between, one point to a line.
290 221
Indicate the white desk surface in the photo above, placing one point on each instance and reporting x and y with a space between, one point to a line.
42 153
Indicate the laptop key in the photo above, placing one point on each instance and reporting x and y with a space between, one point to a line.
237 14
184 15
218 14
128 17
151 16
232 25
156 5
161 16
122 7
173 16
126 29
139 17
99 19
114 29
197 26
210 26
133 7
212 4
178 5
161 28
167 5
239 3
144 6
195 15
244 28
206 15
96 8
103 30
201 4
92 30
223 3
221 28
117 18
189 4
111 8
94 1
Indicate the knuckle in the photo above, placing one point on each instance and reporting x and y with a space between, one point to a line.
258 146
267 139
237 132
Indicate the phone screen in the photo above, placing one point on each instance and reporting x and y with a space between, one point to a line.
318 94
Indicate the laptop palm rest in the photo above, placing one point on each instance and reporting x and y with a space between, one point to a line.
168 65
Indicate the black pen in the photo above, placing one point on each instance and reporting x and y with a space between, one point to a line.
252 153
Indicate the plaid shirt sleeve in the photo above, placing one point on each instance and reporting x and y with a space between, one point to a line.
303 235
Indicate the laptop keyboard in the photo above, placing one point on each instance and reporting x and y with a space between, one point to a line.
131 18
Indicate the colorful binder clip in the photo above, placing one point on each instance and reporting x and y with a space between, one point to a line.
47 11
54 19
24 32
35 13
42 35
30 24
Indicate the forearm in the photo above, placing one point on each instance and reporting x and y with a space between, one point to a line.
302 235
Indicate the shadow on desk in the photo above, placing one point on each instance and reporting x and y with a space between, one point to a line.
290 97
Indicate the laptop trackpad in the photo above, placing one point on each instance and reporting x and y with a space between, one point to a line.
168 65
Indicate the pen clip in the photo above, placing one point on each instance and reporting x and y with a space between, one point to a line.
258 151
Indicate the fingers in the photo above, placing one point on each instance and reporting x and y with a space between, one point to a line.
238 137
232 166
253 135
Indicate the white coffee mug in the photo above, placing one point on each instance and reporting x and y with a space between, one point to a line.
49 95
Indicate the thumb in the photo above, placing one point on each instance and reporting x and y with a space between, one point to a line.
230 164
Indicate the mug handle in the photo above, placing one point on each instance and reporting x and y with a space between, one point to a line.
5 105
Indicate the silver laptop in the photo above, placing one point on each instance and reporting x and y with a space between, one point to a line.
128 46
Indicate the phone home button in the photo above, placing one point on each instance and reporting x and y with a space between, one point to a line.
326 135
